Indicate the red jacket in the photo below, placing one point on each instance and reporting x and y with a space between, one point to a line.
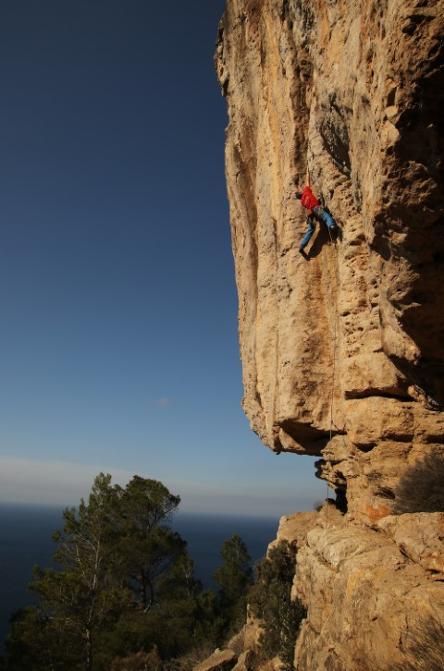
309 200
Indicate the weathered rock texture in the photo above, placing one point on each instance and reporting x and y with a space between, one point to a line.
343 354
368 592
350 343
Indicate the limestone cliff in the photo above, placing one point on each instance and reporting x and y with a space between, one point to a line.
343 353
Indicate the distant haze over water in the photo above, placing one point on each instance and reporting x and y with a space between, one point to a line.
25 540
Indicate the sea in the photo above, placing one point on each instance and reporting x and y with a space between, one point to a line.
25 540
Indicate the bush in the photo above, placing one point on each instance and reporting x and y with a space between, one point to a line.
141 661
234 578
420 489
425 648
270 601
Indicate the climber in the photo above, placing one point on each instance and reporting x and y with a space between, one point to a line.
315 211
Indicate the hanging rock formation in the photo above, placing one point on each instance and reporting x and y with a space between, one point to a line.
343 354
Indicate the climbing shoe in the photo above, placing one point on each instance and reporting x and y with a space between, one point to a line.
333 231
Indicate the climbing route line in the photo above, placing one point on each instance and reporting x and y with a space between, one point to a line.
335 340
335 337
335 329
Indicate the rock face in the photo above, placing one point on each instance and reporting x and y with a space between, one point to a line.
220 660
343 353
368 594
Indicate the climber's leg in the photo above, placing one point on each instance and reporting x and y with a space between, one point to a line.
327 218
308 234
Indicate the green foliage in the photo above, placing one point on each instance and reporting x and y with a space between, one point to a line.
235 574
38 643
83 596
211 620
123 594
234 577
116 564
146 550
140 661
420 489
270 601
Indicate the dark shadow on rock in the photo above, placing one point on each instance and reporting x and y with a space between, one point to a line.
425 648
322 238
335 135
419 159
421 488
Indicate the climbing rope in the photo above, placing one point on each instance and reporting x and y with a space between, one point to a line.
335 333
333 376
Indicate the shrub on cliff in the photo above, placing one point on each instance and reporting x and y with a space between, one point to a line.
234 578
270 601
141 661
420 490
425 648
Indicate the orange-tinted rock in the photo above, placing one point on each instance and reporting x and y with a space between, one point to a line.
343 353
349 343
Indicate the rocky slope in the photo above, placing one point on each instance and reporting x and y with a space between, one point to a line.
343 354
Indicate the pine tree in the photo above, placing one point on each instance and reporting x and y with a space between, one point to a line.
270 601
124 585
115 561
148 549
86 593
234 577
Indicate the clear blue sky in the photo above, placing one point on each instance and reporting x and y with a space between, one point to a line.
118 339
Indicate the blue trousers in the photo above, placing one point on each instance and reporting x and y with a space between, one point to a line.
321 215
